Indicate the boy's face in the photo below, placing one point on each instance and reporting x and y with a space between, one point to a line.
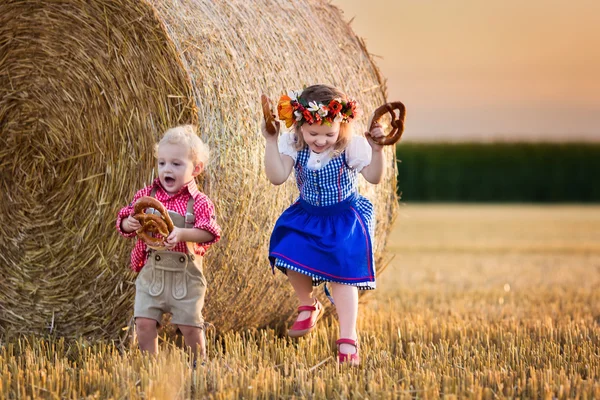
175 167
320 137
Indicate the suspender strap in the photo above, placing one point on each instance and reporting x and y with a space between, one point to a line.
190 218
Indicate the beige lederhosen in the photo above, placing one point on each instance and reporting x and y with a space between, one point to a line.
172 282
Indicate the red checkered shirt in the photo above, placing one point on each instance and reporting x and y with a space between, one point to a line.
204 212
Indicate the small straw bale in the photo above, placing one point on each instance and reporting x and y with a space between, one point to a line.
86 89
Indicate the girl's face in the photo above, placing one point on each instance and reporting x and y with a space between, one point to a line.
320 137
175 167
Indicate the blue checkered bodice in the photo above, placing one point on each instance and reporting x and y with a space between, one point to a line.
327 186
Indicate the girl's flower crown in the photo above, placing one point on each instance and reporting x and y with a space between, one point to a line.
293 110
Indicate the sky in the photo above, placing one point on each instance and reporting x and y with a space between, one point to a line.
487 70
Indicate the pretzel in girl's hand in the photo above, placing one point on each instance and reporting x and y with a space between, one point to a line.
271 125
397 122
152 223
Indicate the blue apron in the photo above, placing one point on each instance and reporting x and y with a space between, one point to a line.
328 232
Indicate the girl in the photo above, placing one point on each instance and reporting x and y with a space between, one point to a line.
327 234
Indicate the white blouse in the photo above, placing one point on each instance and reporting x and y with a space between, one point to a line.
358 152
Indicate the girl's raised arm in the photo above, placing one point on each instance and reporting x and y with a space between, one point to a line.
374 171
278 167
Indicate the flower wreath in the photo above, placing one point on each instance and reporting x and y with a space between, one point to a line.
293 110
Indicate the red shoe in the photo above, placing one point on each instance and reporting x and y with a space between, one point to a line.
301 328
352 359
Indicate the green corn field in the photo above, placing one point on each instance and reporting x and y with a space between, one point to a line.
499 172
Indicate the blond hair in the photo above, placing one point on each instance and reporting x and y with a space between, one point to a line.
322 93
186 135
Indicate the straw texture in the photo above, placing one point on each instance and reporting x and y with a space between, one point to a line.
87 88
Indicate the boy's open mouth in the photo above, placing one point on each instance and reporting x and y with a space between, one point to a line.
169 180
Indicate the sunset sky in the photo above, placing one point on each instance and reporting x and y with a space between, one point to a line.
489 70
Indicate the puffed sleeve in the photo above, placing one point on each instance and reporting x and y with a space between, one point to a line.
204 211
286 145
358 153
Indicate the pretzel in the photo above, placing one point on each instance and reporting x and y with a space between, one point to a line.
268 115
151 223
397 122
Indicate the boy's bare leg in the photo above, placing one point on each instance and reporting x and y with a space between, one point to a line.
302 285
194 338
147 334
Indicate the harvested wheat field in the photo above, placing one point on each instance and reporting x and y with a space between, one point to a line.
477 302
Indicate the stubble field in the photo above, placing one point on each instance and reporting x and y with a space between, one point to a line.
477 301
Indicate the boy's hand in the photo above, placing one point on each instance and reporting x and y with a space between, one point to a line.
376 132
174 237
130 224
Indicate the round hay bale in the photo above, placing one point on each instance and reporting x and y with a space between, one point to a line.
88 86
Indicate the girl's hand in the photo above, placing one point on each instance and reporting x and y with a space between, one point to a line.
271 125
376 132
130 224
265 132
174 237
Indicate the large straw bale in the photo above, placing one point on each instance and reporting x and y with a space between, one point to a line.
87 87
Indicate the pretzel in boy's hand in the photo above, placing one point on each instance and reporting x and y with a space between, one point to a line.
397 122
152 223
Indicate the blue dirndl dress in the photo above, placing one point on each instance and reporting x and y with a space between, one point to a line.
328 232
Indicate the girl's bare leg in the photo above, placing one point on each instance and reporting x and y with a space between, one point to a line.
302 285
346 304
